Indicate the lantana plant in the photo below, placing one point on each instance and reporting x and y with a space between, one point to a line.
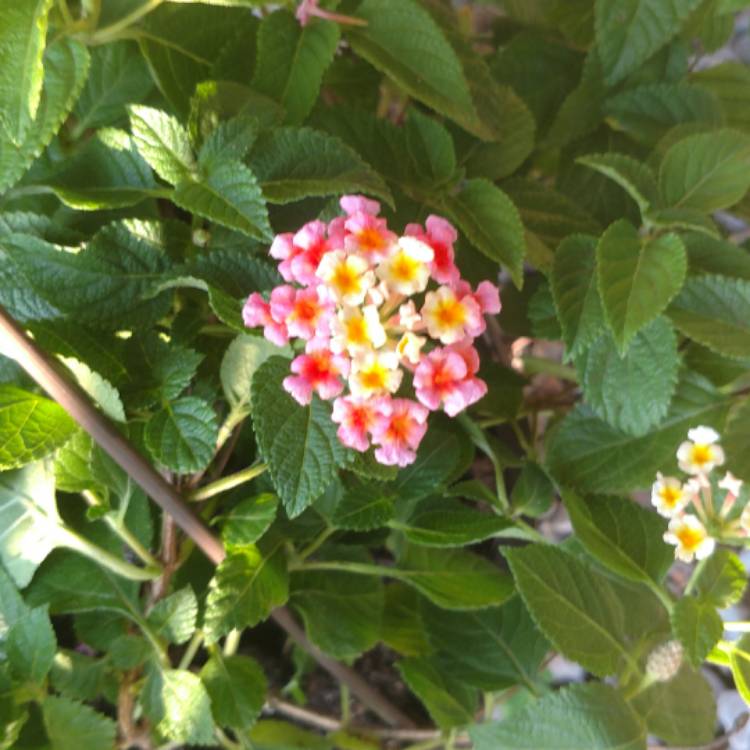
369 306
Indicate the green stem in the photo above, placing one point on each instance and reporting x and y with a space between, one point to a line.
127 536
522 440
695 575
541 366
530 530
68 538
640 686
232 642
191 650
316 543
235 416
227 483
65 12
345 698
109 33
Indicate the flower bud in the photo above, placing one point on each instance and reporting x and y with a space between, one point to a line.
201 237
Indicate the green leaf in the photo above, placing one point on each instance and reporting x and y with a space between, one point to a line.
738 440
403 629
31 645
681 711
403 41
622 535
298 443
491 222
637 279
633 392
247 586
431 146
707 171
360 504
449 703
110 283
633 176
493 649
102 392
12 606
342 611
698 626
23 34
292 60
28 519
449 523
66 64
574 605
708 255
647 113
249 520
583 443
575 292
174 617
295 163
728 82
740 663
71 726
77 676
585 717
182 436
31 427
629 32
118 76
231 139
715 311
177 703
228 194
453 578
533 493
237 688
162 142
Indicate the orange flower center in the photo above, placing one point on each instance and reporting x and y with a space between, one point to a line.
375 378
701 454
671 495
370 239
306 310
399 427
404 268
450 313
356 331
345 279
690 538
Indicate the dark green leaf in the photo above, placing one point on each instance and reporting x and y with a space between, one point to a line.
31 645
631 175
698 626
249 520
237 688
71 726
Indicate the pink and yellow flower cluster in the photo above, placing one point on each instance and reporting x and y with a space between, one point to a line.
368 307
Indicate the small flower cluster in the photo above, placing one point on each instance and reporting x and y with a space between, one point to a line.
357 297
719 506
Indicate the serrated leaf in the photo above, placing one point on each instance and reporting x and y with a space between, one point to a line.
163 142
729 82
698 626
633 392
722 579
237 688
739 657
680 711
228 194
709 255
113 281
295 163
715 311
174 617
229 140
492 649
31 427
65 67
71 725
361 504
177 702
621 535
102 392
403 41
637 279
342 611
118 76
299 443
583 443
247 586
574 605
449 523
182 436
449 703
633 176
491 222
453 578
576 294
249 520
628 33
431 146
584 717
706 172
647 113
738 440
77 676
292 60
23 34
30 645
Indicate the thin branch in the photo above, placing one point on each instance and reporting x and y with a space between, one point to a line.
76 402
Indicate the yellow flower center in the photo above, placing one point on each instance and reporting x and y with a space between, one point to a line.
356 331
345 279
450 313
701 454
374 378
689 537
404 267
670 495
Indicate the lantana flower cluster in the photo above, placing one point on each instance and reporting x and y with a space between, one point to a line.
705 508
369 307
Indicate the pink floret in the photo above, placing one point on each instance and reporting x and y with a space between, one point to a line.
318 371
353 204
257 312
398 431
355 418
